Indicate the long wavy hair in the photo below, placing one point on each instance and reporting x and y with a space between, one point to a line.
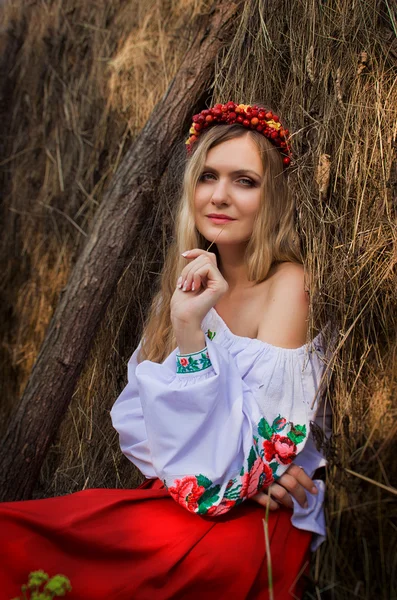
274 238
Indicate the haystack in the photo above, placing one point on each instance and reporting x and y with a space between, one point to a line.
78 81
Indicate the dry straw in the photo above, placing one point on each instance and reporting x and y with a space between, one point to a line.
78 81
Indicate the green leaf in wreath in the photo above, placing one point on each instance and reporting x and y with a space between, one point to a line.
297 433
264 429
203 481
273 466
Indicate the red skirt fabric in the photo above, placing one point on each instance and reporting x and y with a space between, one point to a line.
140 544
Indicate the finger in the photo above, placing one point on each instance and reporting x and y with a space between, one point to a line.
294 488
280 494
195 252
302 478
264 499
211 277
209 274
184 273
189 271
196 283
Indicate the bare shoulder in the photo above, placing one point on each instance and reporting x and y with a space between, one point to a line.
285 308
289 278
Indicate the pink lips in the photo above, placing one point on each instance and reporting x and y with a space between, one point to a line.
220 219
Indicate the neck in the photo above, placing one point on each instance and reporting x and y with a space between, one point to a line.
232 266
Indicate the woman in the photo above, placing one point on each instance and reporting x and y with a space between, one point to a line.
216 413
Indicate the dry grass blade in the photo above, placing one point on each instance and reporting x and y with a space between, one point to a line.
268 553
388 488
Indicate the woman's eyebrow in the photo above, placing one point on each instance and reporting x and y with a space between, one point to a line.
238 172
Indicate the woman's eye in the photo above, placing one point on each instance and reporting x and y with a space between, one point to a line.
204 175
246 181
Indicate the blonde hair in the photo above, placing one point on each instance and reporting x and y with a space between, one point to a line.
274 238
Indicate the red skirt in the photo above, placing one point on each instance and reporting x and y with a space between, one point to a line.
140 544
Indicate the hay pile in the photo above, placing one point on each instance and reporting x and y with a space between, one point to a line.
78 81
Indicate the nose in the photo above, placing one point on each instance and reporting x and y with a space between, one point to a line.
220 193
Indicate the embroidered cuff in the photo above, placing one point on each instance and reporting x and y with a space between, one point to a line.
192 363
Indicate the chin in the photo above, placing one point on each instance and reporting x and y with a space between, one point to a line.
210 232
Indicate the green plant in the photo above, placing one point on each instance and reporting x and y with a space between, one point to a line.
57 586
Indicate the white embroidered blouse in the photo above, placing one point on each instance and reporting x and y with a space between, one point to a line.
219 427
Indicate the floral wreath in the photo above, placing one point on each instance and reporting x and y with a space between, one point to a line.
252 117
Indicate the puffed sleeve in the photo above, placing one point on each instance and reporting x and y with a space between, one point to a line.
127 419
210 442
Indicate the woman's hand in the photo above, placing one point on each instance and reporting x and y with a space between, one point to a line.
199 288
293 482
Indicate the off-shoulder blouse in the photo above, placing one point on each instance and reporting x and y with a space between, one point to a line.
219 434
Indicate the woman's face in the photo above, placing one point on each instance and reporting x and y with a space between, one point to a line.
230 184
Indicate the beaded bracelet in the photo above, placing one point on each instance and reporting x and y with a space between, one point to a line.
194 362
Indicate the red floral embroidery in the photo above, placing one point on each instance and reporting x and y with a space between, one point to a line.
269 449
186 491
223 507
279 423
250 481
198 494
184 362
281 448
268 475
